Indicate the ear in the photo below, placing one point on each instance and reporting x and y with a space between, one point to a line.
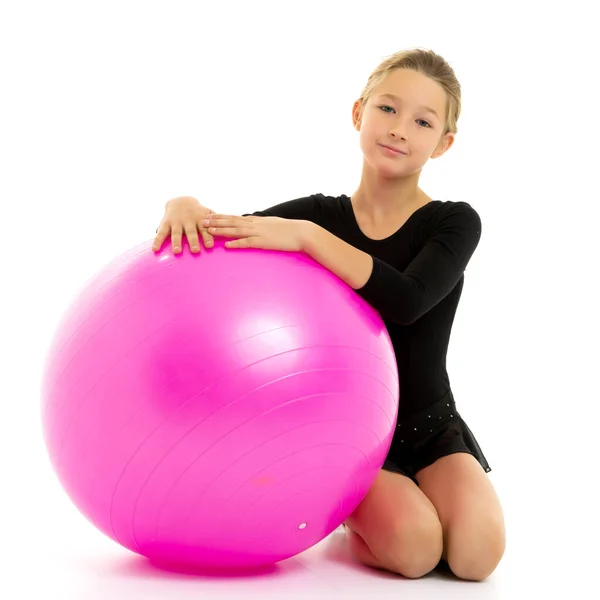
357 115
444 145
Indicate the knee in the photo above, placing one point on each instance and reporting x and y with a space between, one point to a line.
415 548
474 553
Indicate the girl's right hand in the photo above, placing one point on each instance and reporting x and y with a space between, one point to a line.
183 214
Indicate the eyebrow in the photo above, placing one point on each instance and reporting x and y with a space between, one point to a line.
425 108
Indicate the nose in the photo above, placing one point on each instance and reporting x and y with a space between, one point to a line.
399 128
397 132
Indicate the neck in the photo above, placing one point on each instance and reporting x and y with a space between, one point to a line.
380 197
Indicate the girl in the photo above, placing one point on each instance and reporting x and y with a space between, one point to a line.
432 503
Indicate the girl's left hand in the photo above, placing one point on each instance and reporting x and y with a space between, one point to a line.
268 233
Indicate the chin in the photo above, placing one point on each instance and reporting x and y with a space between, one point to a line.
385 166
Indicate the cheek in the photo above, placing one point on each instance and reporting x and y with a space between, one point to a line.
363 140
368 139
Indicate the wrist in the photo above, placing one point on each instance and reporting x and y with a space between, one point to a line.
308 234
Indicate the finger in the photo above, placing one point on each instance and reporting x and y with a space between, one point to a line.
191 232
207 239
176 235
161 235
224 220
214 222
226 231
251 242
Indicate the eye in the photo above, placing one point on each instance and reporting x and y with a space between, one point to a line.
423 121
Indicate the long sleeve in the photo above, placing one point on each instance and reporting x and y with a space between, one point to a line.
403 297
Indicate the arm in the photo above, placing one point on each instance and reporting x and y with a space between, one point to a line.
347 262
403 297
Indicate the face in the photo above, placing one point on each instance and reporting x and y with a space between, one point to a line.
394 116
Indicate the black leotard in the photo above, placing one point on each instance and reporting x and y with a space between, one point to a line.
416 283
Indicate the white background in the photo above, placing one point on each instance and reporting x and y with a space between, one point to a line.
108 109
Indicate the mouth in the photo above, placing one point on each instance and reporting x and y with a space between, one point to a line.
394 150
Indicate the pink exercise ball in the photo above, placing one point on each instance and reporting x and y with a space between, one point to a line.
224 409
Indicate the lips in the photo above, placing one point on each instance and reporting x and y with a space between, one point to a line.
393 149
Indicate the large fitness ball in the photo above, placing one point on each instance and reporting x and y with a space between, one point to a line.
224 409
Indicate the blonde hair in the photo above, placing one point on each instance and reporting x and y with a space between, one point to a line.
430 64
